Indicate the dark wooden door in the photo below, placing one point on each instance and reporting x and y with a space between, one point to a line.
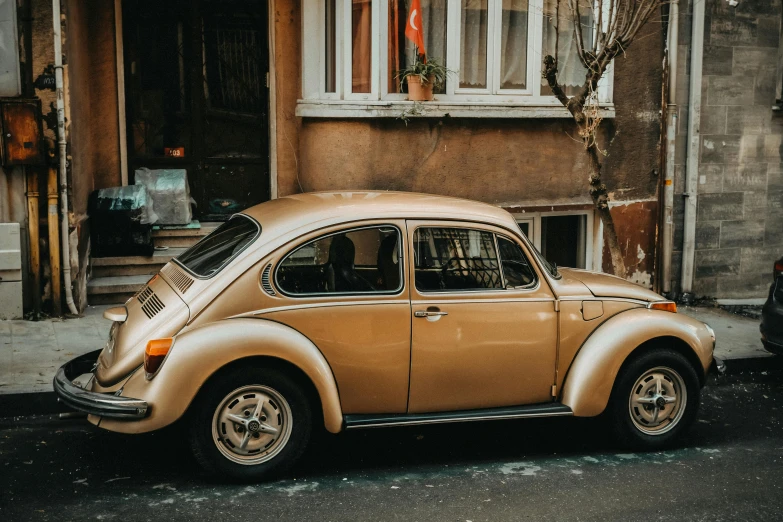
197 97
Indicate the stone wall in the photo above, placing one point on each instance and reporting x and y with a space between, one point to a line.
739 221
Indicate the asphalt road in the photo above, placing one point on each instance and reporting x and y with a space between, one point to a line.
730 467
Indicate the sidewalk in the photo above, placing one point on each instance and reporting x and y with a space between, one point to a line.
31 352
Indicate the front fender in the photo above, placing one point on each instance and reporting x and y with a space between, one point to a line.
199 353
591 376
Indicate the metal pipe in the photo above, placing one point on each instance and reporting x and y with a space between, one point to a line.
54 241
62 151
667 232
33 235
692 165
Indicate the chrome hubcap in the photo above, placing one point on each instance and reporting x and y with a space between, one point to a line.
252 424
658 400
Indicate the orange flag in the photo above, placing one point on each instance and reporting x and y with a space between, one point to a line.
414 30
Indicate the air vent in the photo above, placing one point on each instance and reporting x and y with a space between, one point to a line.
180 280
145 294
265 280
152 306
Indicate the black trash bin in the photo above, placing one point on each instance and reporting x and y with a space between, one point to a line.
120 223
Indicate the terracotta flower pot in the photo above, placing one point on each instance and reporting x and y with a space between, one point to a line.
418 91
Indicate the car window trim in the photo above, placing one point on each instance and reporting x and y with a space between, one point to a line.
400 256
230 259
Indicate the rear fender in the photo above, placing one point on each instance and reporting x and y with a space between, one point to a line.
197 354
591 376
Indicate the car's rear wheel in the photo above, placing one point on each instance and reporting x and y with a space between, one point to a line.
250 423
655 399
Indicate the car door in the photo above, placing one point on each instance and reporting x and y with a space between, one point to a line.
484 329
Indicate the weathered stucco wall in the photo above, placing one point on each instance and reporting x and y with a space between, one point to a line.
522 163
739 219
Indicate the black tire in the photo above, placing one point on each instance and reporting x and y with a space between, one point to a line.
622 415
212 455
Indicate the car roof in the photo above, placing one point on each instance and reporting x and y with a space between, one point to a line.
308 210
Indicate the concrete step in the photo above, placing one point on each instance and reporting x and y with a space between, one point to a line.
181 237
133 265
114 289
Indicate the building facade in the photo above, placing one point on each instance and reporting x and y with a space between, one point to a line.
737 157
258 100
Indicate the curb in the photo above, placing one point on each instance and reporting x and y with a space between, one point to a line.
751 369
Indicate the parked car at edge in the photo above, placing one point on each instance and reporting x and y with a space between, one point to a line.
772 313
372 309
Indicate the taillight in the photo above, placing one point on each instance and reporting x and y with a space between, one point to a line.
155 353
778 269
666 306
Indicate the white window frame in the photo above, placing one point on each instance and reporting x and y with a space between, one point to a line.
373 103
591 239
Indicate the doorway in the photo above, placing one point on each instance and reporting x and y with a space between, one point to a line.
197 97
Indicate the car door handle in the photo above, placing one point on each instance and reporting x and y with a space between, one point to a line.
428 313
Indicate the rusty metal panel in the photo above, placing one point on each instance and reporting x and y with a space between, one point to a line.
22 136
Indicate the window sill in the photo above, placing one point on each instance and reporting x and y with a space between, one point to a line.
432 109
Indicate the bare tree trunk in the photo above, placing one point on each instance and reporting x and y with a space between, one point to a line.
601 201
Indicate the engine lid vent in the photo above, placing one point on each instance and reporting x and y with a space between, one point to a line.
152 306
180 280
266 283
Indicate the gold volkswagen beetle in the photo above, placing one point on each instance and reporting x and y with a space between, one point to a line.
372 309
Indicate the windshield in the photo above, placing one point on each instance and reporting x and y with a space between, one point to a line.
207 257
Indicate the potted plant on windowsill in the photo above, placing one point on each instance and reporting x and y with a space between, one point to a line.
422 77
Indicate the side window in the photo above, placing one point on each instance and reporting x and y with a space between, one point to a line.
362 260
454 259
516 269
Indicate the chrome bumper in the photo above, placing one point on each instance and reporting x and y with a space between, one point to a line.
103 404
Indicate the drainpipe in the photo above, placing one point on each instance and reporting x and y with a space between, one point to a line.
692 165
671 135
61 146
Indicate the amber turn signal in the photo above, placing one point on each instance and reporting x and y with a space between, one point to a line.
155 353
666 306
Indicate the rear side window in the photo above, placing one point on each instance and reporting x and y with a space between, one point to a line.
455 259
210 255
358 261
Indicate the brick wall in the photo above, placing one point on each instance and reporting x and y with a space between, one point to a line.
739 222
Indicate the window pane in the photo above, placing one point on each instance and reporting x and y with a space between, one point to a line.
516 269
571 72
473 44
330 49
563 240
357 261
449 259
361 44
524 226
433 13
211 254
513 45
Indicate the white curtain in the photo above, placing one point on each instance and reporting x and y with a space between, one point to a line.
513 45
434 22
571 72
473 44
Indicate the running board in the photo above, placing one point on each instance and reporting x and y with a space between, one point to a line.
377 420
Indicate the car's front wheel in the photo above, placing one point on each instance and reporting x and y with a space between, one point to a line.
655 399
250 423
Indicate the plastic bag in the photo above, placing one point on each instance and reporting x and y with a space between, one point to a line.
168 194
131 200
